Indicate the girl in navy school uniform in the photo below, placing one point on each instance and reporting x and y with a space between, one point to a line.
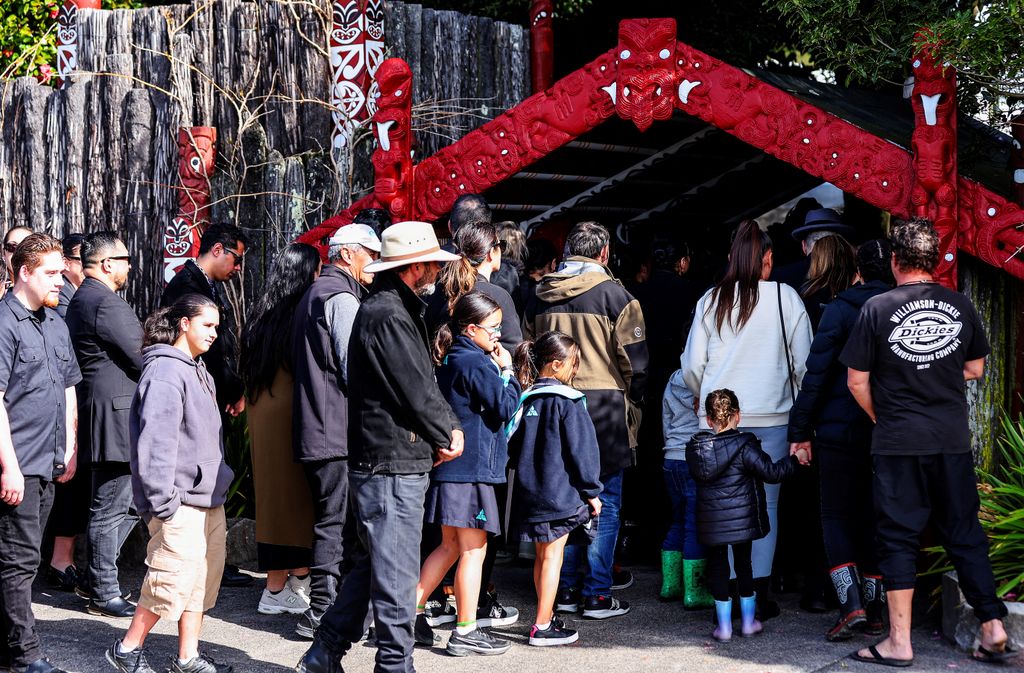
475 375
557 469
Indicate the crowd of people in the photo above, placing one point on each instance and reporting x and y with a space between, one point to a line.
485 394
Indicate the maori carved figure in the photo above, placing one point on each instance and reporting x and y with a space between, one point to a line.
356 49
542 44
934 147
67 37
502 147
645 84
392 124
798 133
197 155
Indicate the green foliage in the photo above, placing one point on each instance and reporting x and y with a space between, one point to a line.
28 36
872 42
1002 514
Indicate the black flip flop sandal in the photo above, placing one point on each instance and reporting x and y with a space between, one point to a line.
989 657
877 658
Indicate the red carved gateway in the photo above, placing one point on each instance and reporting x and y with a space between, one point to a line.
796 132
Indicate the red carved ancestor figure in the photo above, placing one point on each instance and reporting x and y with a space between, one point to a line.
197 155
392 124
645 83
542 44
934 147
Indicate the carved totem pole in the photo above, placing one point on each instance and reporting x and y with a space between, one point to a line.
542 45
67 37
392 124
356 50
934 192
197 155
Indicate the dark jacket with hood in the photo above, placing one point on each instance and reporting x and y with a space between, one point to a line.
553 448
730 470
585 301
511 333
319 407
825 411
483 400
177 452
222 358
397 415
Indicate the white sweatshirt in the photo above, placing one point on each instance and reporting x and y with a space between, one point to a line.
750 362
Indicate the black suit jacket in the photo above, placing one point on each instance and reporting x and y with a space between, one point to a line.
222 358
107 338
66 293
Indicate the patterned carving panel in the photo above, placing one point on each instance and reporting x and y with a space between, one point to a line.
646 73
197 155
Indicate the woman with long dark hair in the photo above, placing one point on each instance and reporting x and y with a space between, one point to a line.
751 336
833 270
284 506
481 253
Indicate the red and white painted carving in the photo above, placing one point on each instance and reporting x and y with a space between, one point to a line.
197 155
542 44
392 125
803 135
933 143
67 37
356 49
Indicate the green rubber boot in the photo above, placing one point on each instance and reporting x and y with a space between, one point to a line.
671 575
696 596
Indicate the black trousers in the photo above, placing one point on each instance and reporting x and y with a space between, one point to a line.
910 492
847 510
21 535
718 570
328 483
69 515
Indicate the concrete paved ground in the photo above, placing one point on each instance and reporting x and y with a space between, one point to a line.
653 637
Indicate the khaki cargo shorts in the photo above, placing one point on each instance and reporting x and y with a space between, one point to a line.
185 557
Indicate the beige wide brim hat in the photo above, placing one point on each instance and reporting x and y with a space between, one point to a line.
406 243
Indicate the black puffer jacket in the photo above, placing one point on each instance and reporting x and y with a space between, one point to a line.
825 411
730 469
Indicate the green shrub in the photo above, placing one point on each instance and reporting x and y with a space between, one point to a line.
1002 510
241 496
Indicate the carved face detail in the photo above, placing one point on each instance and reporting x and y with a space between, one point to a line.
392 161
934 95
646 81
197 156
347 22
933 149
178 238
375 19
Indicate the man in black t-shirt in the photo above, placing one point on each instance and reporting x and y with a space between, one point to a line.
909 357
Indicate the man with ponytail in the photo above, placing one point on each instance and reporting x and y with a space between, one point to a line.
584 300
400 426
38 420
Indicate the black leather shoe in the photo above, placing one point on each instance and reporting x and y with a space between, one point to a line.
233 578
319 659
63 581
38 666
115 607
83 591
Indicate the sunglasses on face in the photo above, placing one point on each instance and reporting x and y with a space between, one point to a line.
238 257
10 247
501 245
493 331
119 258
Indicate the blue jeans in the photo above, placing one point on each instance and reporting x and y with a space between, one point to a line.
389 521
601 552
111 519
775 444
682 492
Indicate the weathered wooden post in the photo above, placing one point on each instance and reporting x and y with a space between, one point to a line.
197 153
933 142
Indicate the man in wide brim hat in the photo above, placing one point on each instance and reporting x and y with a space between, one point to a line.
400 426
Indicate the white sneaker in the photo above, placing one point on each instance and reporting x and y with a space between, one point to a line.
300 587
285 601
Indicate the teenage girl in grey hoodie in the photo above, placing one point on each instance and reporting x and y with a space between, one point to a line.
179 483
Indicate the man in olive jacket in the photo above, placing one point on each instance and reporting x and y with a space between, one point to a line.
399 427
583 300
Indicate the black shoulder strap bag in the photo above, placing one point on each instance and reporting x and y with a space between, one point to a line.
785 343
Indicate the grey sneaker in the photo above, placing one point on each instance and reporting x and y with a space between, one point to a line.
130 662
307 625
476 641
203 663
